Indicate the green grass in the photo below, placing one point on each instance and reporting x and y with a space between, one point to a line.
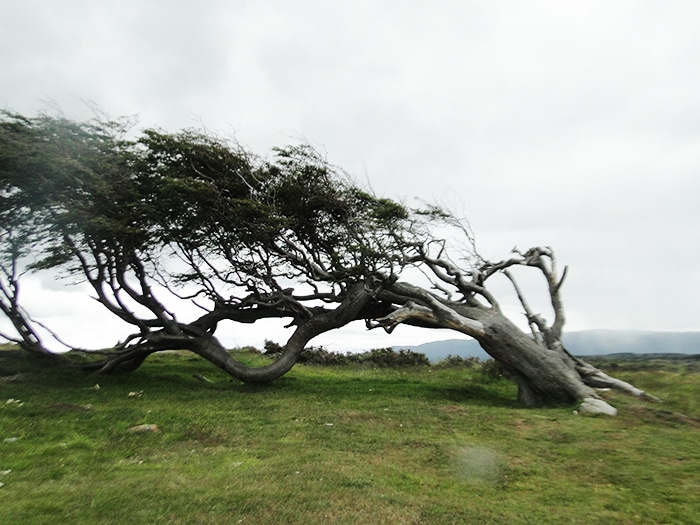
338 445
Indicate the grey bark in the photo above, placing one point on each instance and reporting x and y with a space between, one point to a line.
545 372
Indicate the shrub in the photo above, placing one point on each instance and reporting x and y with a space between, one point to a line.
272 349
378 357
494 370
456 361
390 358
317 355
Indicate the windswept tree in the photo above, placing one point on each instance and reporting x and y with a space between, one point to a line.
167 218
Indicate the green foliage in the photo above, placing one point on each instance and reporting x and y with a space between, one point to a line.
492 368
321 357
336 445
200 189
272 348
456 361
390 358
81 188
60 177
378 357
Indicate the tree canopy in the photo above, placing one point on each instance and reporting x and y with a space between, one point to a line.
198 218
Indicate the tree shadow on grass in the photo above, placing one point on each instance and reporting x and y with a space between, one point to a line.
182 375
336 387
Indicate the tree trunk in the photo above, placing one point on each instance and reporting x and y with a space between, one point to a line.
545 372
544 376
204 344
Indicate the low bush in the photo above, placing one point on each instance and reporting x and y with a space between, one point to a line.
456 361
317 355
378 357
390 358
494 369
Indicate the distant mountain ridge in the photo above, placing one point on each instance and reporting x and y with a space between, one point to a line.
583 343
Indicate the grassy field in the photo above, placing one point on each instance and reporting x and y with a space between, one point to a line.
338 445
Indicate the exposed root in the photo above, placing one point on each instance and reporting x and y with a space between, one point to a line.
596 378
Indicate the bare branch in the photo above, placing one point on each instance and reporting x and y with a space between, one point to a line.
442 315
537 323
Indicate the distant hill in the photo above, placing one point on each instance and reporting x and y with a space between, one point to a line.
584 343
438 350
603 342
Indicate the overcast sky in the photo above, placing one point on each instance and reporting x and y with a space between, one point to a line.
561 123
